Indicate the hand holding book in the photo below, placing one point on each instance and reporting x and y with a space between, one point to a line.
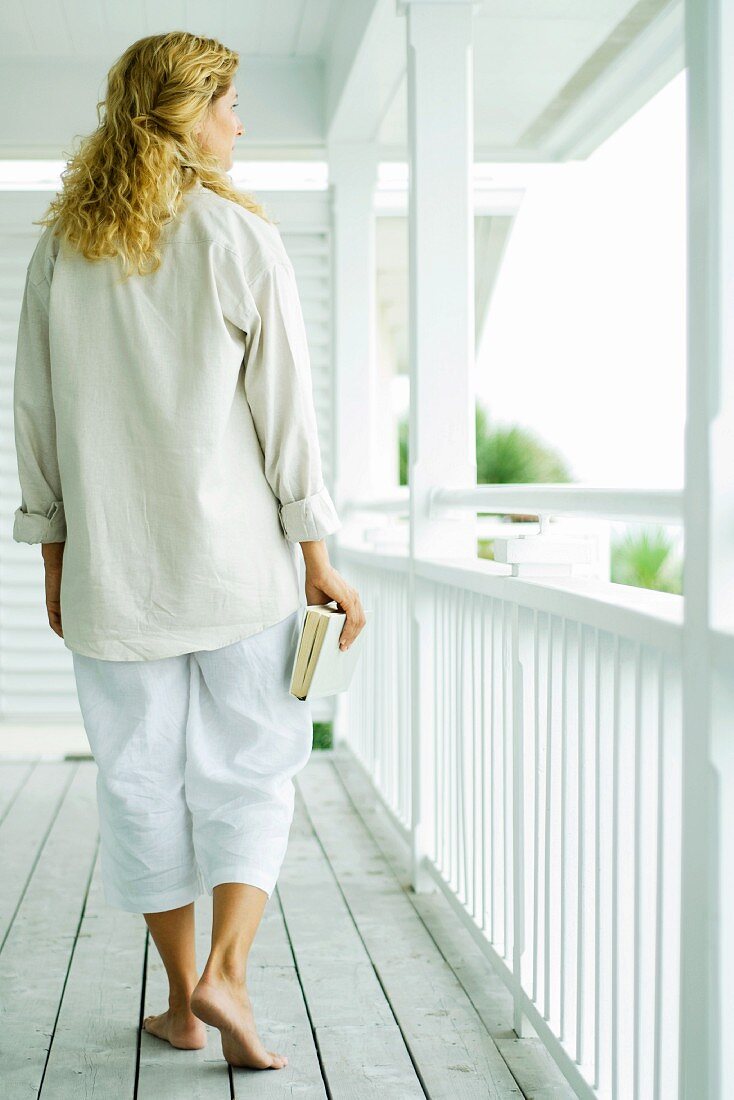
324 584
320 667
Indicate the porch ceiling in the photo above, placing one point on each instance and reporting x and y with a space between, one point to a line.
552 77
538 61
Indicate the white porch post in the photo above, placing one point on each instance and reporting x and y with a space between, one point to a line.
352 178
441 333
707 917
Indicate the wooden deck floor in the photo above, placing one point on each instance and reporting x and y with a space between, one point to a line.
371 990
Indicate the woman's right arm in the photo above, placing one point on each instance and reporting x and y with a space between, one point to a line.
323 580
279 391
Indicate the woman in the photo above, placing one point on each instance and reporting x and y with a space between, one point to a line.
169 463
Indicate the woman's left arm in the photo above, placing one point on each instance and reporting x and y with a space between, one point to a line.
41 517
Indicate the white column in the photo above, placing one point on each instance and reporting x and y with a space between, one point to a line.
721 595
707 872
441 332
352 178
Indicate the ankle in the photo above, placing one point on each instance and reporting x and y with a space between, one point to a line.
180 1003
180 988
225 969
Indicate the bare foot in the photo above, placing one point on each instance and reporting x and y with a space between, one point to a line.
226 1005
181 1029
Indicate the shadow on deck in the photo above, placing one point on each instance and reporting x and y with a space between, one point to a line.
370 989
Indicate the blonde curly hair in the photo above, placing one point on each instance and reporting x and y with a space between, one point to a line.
128 178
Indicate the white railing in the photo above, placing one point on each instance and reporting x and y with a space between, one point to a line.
540 787
379 715
562 499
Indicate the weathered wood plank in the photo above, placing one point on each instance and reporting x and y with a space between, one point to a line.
36 955
12 777
449 1043
530 1063
337 973
23 830
95 1046
348 1009
377 1052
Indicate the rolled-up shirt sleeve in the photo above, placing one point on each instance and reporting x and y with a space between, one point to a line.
40 517
279 391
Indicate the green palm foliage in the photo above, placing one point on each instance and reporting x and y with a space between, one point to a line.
647 559
513 455
506 454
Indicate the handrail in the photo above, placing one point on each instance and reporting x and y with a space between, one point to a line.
641 614
542 499
664 506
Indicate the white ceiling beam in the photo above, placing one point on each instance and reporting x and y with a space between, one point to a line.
646 66
364 71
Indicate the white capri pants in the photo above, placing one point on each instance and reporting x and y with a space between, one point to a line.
195 757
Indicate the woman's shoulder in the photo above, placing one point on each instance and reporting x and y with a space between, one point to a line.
43 260
256 241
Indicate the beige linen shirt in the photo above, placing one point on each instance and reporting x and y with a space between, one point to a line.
165 430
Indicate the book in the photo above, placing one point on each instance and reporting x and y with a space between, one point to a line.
320 667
